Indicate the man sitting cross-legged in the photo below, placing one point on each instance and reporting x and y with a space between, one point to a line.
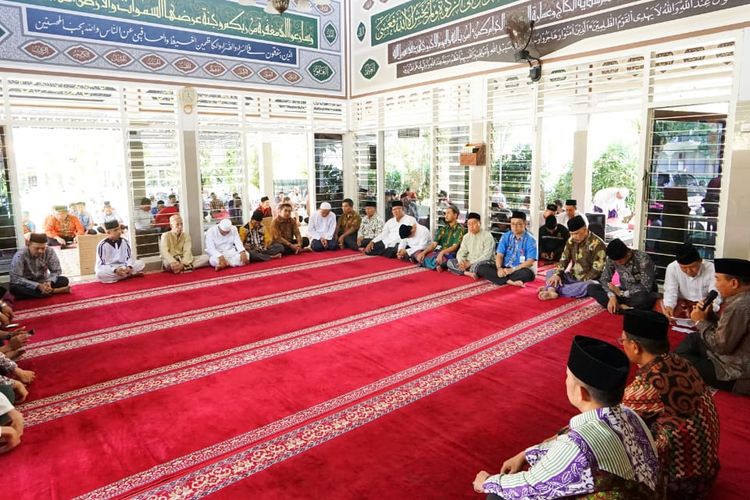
370 226
386 243
413 239
285 231
720 350
552 239
62 228
670 396
477 247
515 256
321 229
224 247
606 448
348 225
447 240
688 280
586 252
35 270
175 249
255 241
114 259
637 273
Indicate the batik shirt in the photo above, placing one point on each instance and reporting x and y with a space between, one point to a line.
613 439
636 275
370 227
587 257
447 236
7 367
28 271
728 341
669 395
348 221
255 240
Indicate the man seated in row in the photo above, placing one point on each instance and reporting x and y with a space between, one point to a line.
175 248
386 243
585 254
569 212
606 448
370 226
669 394
114 258
348 225
62 229
515 257
224 247
552 239
414 239
720 350
687 280
637 290
255 241
447 240
285 231
321 229
35 270
477 247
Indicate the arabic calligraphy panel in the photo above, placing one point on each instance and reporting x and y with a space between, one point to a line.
214 68
153 62
110 42
119 58
185 65
39 50
81 54
242 71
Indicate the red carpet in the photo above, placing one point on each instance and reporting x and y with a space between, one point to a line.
319 376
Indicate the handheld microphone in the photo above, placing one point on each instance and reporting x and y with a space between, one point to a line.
709 299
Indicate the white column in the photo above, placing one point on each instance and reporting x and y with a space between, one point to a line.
581 169
478 133
734 204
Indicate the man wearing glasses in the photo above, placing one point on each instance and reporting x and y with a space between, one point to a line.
515 257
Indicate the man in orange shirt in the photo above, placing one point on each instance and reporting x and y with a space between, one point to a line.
62 228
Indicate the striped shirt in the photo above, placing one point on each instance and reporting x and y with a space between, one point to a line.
612 439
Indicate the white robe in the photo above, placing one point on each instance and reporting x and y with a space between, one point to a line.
112 255
228 245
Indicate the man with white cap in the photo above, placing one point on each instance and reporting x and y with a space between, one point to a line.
114 258
224 247
321 229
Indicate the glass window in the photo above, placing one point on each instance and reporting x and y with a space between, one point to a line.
408 156
366 168
291 173
684 181
8 242
451 178
329 170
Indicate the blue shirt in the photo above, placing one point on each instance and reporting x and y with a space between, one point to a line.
516 251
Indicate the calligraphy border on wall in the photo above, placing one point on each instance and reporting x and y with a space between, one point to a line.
40 50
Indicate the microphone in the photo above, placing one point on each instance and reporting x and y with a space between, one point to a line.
709 299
